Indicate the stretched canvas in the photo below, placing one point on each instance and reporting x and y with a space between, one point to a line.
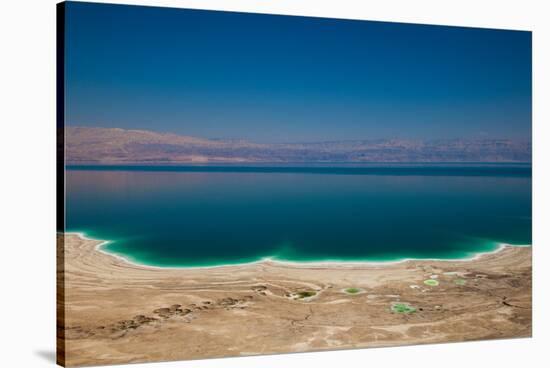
234 184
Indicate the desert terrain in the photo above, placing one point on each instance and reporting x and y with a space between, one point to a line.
111 311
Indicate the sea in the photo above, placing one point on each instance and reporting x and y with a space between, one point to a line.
213 215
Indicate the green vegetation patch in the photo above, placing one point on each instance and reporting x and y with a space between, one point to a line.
353 290
305 294
431 282
460 282
405 308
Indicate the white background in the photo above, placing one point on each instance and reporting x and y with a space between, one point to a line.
27 179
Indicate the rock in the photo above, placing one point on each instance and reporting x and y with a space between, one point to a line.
162 310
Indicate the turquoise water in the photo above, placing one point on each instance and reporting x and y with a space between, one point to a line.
215 215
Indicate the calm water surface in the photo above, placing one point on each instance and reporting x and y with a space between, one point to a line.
204 215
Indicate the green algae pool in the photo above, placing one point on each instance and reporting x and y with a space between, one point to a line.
431 282
404 308
460 282
305 294
353 290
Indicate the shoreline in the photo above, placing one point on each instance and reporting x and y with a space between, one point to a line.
296 264
118 312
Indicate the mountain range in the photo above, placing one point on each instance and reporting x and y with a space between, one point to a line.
87 145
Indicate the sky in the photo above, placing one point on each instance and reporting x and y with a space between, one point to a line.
269 78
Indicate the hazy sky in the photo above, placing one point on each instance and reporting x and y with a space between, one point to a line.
290 79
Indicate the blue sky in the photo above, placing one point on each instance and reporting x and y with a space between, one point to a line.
292 79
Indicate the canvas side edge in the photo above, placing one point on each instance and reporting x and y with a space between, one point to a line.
60 184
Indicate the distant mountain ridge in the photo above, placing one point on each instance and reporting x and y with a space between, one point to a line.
118 146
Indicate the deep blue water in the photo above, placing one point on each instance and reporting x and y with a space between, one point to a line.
213 215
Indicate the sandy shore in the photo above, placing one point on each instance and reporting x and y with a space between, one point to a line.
118 312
